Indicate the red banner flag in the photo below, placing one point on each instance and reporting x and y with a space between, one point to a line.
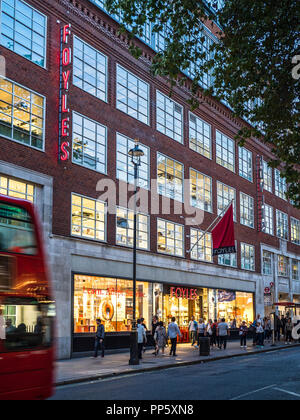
223 235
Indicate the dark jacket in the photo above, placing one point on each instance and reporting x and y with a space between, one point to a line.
100 332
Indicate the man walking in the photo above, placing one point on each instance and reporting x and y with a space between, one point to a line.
142 337
99 339
173 332
193 327
223 332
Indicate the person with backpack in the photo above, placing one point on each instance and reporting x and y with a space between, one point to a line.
193 328
99 339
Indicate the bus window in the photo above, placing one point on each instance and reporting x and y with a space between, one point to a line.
25 324
16 231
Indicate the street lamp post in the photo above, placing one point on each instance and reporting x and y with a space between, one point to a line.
136 154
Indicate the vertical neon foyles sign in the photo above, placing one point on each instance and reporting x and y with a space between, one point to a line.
64 111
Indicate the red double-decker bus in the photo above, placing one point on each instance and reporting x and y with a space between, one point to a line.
27 309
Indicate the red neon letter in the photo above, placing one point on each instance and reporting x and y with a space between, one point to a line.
65 127
66 76
172 291
66 33
64 152
66 58
65 103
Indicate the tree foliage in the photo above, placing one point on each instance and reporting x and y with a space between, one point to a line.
252 64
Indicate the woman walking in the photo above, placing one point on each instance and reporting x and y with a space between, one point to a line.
160 337
288 331
243 334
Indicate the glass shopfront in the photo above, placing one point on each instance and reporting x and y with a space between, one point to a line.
111 300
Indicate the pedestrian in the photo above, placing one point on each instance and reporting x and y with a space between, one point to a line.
173 332
160 338
268 328
142 338
154 326
288 331
260 333
223 333
201 330
209 331
193 328
214 337
277 328
99 339
144 325
253 329
233 324
283 322
243 331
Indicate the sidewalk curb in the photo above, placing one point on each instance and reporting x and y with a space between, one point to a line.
163 367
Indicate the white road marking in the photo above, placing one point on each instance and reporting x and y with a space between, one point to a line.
253 392
288 392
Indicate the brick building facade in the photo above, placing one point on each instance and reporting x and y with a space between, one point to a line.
109 104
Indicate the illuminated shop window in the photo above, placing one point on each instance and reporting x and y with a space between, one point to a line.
200 190
225 155
89 143
225 195
132 95
268 177
111 300
247 257
90 69
200 136
236 306
268 219
267 263
283 266
169 117
280 185
295 231
24 30
203 250
125 229
170 238
295 270
125 168
170 175
18 189
282 225
245 164
21 114
247 210
88 218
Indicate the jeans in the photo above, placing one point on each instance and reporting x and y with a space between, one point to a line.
140 349
193 337
223 341
260 339
288 336
98 345
173 346
243 340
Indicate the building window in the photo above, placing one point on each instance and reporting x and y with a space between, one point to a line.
247 257
125 229
200 136
170 175
283 266
90 69
202 250
125 168
132 95
200 190
88 218
18 189
225 196
89 143
24 30
267 171
280 185
225 155
267 263
268 220
295 270
169 117
162 37
282 225
245 164
21 114
295 231
247 210
170 238
229 260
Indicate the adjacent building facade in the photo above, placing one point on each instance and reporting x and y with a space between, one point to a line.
72 101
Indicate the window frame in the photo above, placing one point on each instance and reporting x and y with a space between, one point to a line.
137 229
220 159
175 161
202 152
251 247
166 98
183 238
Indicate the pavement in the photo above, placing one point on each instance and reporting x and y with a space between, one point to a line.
85 369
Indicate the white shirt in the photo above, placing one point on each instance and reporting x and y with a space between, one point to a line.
141 333
2 328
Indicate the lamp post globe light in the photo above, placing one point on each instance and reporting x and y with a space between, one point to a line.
136 154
